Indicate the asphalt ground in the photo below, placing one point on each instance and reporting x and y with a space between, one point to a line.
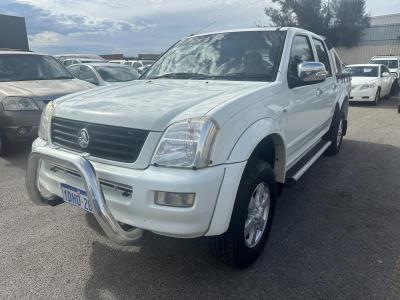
336 235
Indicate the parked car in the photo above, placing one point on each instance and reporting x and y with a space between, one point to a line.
103 73
201 145
117 61
74 61
370 82
28 81
392 62
62 57
140 65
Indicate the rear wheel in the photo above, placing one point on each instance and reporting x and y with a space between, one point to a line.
251 218
336 133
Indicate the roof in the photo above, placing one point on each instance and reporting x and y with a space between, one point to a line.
385 57
242 30
364 65
20 52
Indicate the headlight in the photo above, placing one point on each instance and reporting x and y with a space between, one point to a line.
45 121
368 86
186 144
19 103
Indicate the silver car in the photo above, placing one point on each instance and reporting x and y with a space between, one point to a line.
102 74
28 81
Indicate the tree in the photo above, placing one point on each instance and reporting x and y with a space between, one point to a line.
342 21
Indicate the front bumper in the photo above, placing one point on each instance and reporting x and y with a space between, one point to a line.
12 121
363 95
50 166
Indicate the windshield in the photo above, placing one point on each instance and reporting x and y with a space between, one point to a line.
23 67
390 63
117 73
231 56
361 71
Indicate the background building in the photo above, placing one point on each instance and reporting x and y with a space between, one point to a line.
382 38
13 33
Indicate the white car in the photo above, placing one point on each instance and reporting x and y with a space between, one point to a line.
140 65
392 62
74 61
369 82
102 74
202 144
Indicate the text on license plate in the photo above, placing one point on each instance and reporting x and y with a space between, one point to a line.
76 197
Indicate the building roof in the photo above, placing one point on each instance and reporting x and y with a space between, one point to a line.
384 29
385 20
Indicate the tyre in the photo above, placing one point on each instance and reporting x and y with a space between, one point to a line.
251 217
335 134
398 109
377 97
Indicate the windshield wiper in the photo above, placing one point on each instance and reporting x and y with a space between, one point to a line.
181 76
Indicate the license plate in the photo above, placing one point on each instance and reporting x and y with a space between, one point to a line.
76 197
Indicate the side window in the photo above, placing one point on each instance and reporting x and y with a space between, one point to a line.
87 75
382 70
338 64
136 65
74 71
323 55
301 51
68 63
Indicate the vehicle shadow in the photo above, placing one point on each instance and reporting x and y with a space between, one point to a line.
334 236
18 155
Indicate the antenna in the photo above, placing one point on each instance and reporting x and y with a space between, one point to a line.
201 29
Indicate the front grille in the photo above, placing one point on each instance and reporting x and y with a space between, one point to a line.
107 142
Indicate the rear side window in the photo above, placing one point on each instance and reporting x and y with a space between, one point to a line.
301 51
338 64
323 55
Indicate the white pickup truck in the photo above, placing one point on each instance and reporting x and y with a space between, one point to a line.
202 144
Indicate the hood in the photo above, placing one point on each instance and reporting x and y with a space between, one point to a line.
43 89
362 80
150 105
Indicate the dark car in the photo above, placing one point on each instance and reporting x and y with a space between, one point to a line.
28 81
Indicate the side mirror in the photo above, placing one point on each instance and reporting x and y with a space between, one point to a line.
385 74
311 72
394 75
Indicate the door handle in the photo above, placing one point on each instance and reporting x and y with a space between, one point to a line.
319 92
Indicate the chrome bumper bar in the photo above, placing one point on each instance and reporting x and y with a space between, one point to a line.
95 194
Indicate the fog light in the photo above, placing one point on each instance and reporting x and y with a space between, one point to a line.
174 199
21 131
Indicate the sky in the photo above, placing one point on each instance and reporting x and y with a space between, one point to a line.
137 26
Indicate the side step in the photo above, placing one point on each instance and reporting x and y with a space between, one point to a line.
294 174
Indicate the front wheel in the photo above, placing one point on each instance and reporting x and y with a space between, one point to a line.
377 97
251 218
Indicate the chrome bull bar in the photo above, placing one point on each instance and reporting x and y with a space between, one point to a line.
94 192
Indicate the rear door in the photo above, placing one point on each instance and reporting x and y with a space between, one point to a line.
328 90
